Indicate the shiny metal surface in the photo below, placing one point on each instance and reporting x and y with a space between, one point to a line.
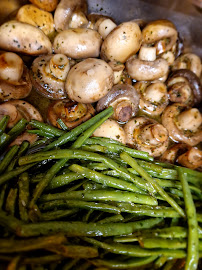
186 17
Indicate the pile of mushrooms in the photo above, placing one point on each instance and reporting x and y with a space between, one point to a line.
83 63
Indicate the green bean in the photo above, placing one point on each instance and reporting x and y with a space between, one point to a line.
163 243
12 174
147 210
41 133
94 148
77 186
3 123
76 228
87 215
127 264
4 140
64 179
105 180
13 264
57 214
14 245
132 162
61 204
174 221
80 154
47 128
72 134
134 250
46 259
9 222
114 218
74 251
102 195
118 148
2 195
193 242
86 134
23 200
11 201
18 128
46 180
70 264
8 158
22 150
62 124
97 166
160 262
83 266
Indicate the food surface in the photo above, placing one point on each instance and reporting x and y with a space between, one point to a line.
122 119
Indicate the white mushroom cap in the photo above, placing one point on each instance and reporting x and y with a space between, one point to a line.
111 129
89 80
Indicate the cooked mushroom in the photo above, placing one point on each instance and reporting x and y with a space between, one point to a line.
161 33
78 43
184 87
48 5
146 134
172 153
191 159
15 81
153 97
24 38
169 57
89 80
65 10
111 129
141 70
124 99
18 109
118 69
122 42
183 126
49 73
72 113
39 18
105 26
188 61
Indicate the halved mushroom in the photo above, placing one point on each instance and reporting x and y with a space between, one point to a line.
124 99
78 43
146 134
18 109
39 18
173 152
184 87
191 159
72 113
111 129
161 33
188 61
24 38
65 10
15 82
47 5
183 124
122 42
49 73
153 97
89 80
141 70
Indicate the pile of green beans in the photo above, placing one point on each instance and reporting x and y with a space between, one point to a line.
72 201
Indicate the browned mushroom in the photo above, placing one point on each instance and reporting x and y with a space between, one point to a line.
124 99
48 5
153 97
72 113
146 134
188 61
183 124
15 82
141 70
191 159
161 33
65 10
172 153
18 109
49 73
184 87
111 129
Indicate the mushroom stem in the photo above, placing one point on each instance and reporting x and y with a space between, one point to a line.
123 111
155 92
190 119
147 53
11 67
58 66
